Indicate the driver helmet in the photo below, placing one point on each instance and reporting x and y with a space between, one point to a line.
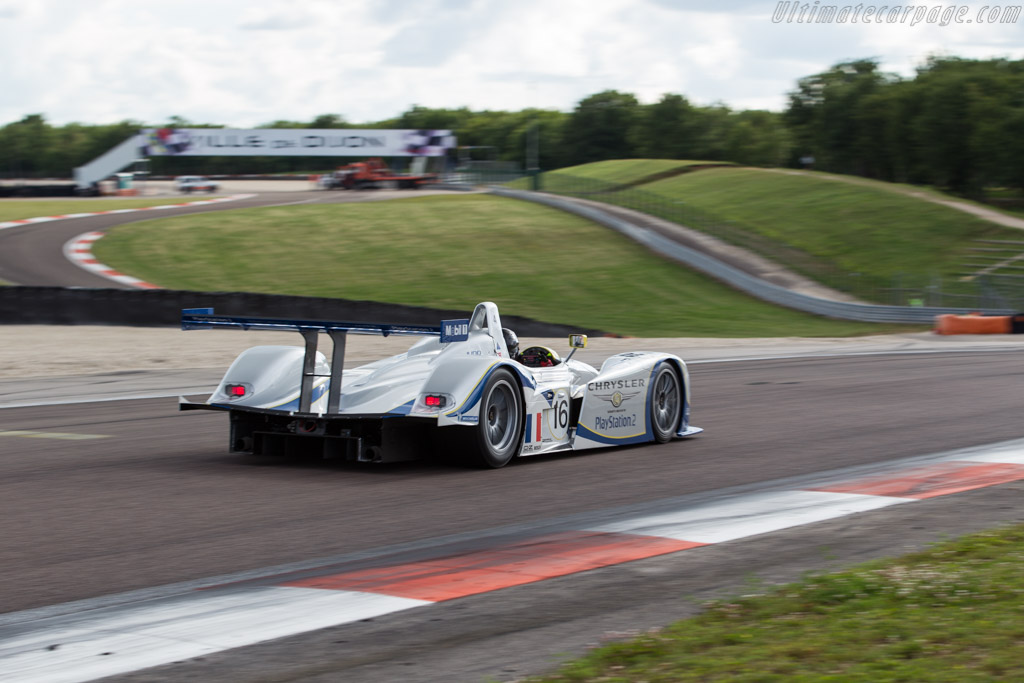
511 342
539 357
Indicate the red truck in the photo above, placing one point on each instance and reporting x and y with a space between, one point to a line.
373 174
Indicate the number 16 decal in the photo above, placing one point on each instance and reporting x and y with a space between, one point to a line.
559 416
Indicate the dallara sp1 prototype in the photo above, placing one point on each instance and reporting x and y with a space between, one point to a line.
465 389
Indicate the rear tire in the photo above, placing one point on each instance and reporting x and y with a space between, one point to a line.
666 403
499 432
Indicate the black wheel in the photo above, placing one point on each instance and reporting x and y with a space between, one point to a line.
499 432
666 403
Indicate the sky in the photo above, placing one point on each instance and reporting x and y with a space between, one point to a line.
246 63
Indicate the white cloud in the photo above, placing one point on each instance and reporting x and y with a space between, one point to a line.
260 19
244 64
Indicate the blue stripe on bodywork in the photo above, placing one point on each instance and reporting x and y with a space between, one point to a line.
403 409
474 395
478 390
586 433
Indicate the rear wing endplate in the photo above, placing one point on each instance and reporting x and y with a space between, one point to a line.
205 319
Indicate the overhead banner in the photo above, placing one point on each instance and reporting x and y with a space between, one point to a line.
329 142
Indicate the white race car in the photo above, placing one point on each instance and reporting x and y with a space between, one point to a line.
460 390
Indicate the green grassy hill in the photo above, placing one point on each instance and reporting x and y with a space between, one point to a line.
861 236
452 252
616 173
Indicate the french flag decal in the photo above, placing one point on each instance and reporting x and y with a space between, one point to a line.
533 424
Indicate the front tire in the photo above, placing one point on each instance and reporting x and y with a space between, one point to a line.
666 403
499 432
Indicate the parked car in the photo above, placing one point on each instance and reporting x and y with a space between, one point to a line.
195 183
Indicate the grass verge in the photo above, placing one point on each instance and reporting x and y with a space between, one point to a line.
453 252
858 227
879 241
952 613
615 173
17 209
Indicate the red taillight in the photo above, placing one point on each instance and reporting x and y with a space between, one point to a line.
432 401
235 389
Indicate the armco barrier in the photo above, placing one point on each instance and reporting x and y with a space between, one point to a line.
767 291
162 308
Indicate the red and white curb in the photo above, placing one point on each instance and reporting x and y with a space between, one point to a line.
60 217
94 642
79 249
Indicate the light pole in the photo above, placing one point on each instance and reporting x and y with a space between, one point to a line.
533 155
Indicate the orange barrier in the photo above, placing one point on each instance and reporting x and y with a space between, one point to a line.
973 324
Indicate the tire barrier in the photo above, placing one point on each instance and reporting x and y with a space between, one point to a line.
162 308
979 324
741 280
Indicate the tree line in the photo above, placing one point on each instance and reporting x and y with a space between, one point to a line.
956 124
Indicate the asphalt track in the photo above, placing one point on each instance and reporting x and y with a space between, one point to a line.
155 499
32 254
103 498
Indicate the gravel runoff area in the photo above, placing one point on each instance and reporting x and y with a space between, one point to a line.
28 351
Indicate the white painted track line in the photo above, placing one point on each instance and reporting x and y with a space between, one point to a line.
749 515
117 640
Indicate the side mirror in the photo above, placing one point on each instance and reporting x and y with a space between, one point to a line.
576 342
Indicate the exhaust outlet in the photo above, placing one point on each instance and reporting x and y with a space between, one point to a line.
371 454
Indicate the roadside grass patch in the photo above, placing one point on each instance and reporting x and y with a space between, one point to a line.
613 173
882 242
857 227
952 613
17 209
452 252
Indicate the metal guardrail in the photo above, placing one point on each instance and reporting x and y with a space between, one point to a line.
741 280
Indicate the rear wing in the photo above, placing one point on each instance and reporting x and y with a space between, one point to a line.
205 319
